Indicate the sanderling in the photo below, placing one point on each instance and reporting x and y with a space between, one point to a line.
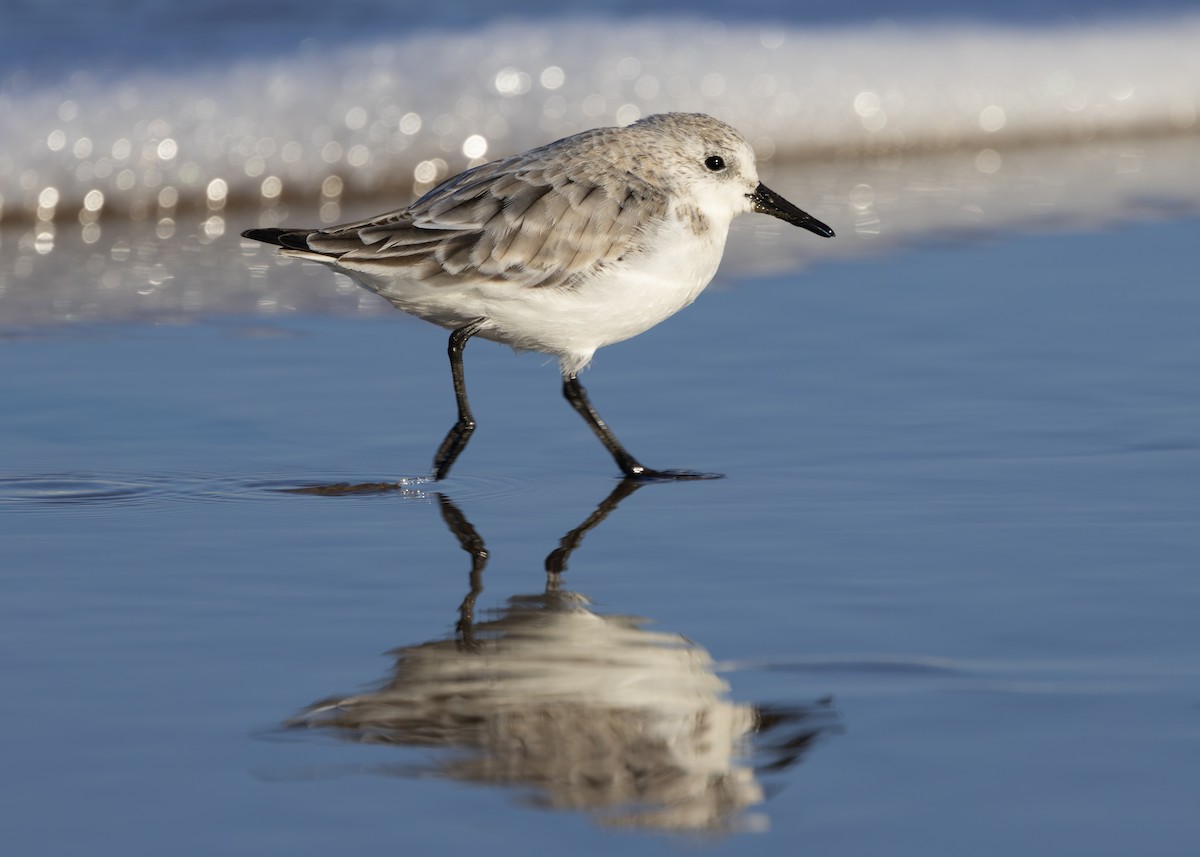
562 249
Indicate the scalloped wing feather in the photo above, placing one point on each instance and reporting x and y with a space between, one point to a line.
532 221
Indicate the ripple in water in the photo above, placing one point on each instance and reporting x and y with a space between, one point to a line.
39 492
72 489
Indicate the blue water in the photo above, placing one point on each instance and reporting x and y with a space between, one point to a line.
962 501
943 603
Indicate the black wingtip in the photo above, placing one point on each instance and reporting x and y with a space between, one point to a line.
293 239
267 236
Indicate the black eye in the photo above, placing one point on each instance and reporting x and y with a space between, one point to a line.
715 163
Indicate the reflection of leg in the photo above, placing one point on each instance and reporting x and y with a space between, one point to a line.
470 541
556 562
460 433
577 396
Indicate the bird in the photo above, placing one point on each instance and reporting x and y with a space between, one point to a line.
563 249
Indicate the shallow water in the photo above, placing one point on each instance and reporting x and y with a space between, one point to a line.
951 573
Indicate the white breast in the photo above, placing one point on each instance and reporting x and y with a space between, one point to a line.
624 301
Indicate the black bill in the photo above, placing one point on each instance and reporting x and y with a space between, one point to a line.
766 201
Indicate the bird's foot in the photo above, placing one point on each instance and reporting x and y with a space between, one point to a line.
647 474
344 489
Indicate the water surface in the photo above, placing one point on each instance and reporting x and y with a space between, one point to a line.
950 573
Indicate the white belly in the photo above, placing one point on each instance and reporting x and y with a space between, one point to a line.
571 323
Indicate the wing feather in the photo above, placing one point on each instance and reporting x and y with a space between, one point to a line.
531 219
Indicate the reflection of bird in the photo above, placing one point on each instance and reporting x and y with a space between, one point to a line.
562 249
590 712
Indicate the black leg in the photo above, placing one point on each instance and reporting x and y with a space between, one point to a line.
460 433
577 396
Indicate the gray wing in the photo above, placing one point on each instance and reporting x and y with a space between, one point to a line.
534 219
